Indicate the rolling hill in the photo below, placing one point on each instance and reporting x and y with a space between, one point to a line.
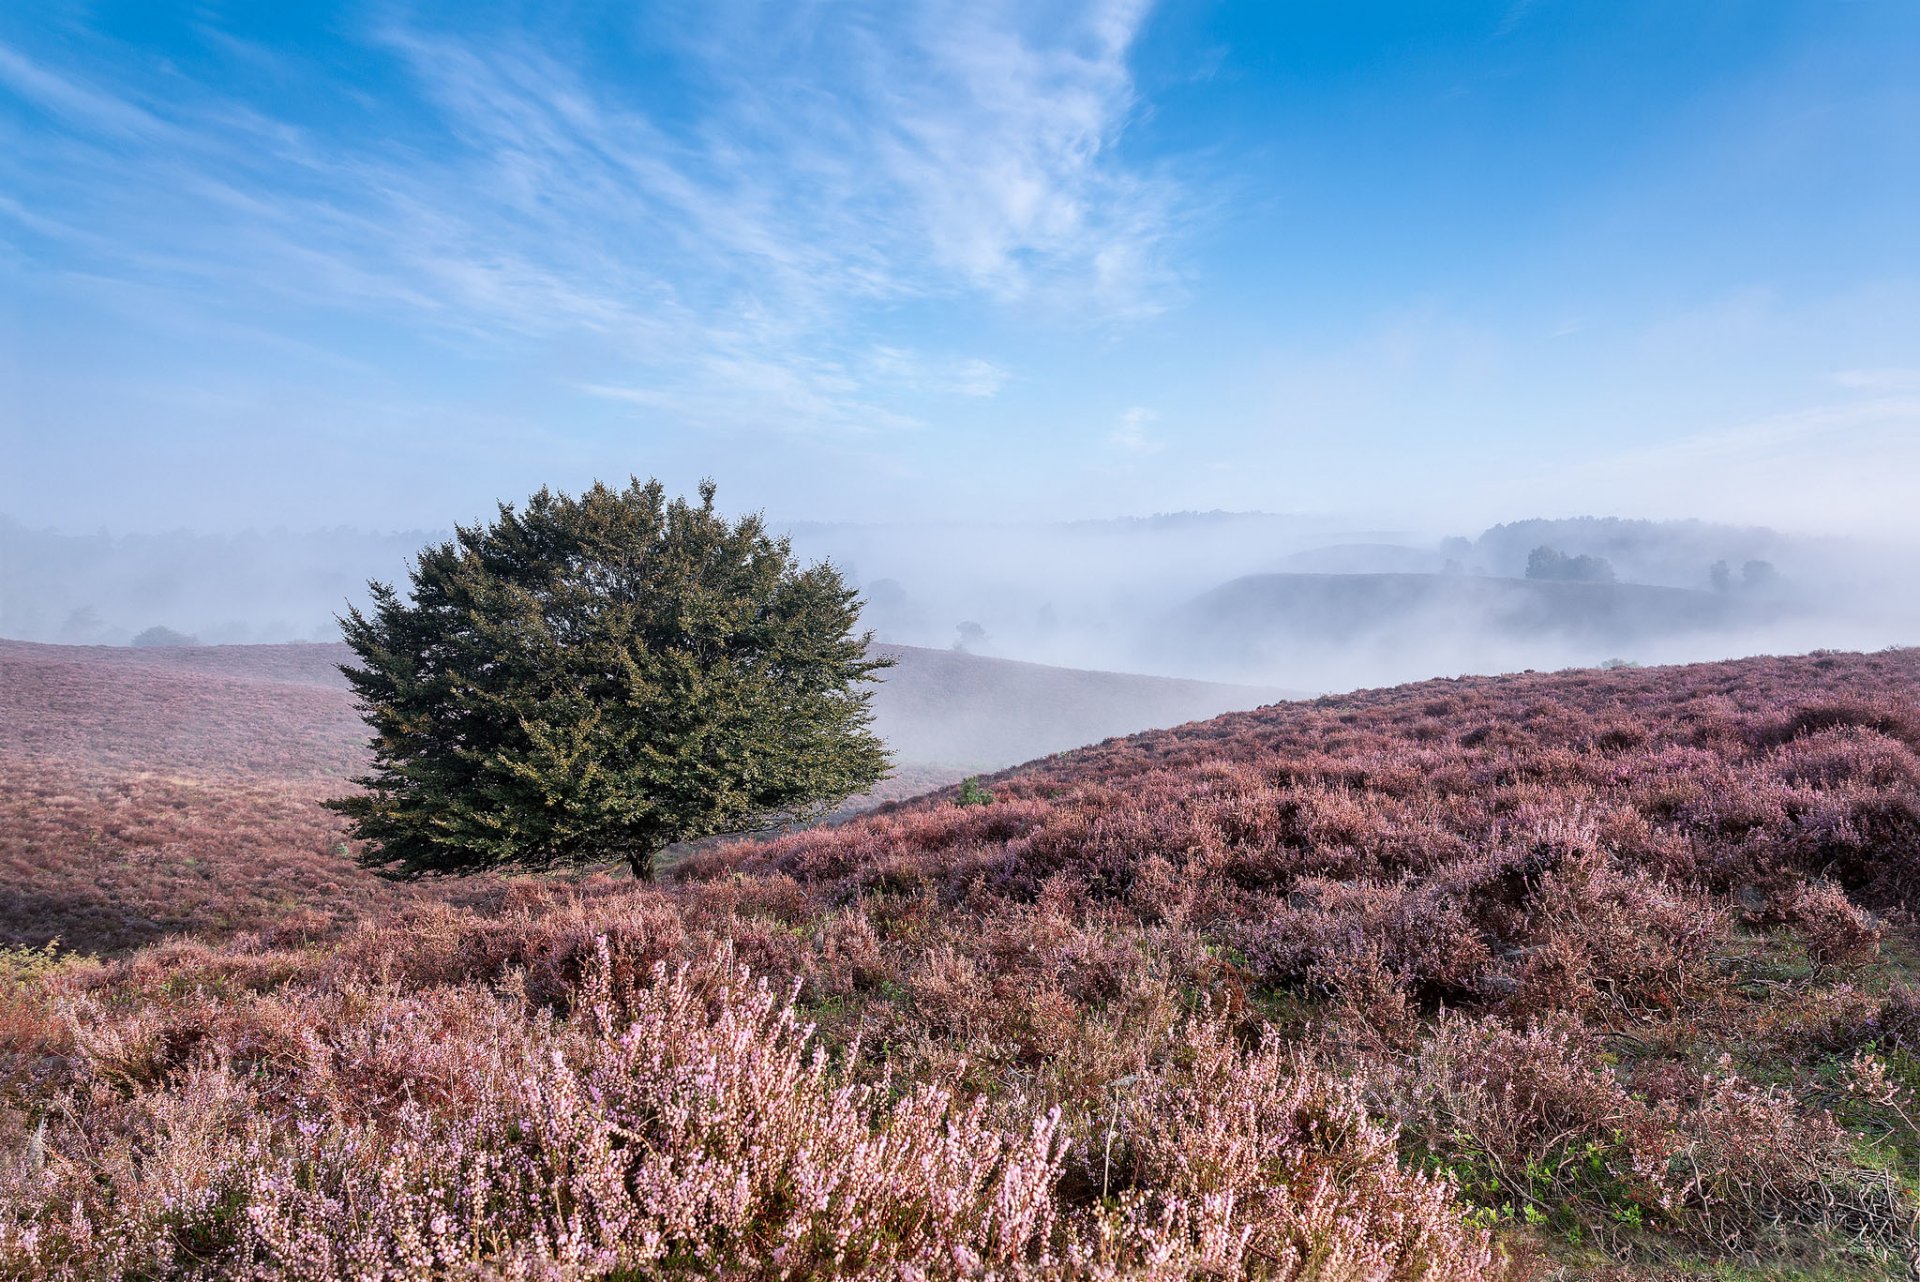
1506 979
157 791
1363 558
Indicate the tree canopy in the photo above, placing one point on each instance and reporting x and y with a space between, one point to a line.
1551 563
595 678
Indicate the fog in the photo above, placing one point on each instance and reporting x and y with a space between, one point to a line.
1316 604
1280 603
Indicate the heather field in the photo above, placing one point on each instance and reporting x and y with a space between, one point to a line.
152 793
158 792
738 642
1588 974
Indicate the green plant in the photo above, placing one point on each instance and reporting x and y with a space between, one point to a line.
19 963
598 677
973 793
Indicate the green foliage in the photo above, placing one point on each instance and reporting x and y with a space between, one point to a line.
595 678
973 793
20 963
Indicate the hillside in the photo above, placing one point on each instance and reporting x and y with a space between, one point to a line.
153 791
1342 607
1338 629
949 707
1588 974
1363 558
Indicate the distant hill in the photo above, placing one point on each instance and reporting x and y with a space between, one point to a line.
1337 607
1673 553
261 585
1364 558
1338 630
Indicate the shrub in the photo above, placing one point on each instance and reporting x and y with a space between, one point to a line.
688 1125
1270 1165
972 793
1549 563
1835 930
157 636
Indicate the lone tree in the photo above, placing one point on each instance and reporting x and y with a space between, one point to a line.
594 678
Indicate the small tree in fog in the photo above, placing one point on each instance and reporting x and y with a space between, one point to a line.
595 678
1545 563
1552 564
160 637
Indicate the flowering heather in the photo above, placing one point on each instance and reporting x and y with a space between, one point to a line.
1520 977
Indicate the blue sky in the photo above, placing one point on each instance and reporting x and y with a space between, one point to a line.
1431 264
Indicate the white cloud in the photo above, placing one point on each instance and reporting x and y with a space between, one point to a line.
1879 380
1132 437
72 100
1005 149
914 372
953 151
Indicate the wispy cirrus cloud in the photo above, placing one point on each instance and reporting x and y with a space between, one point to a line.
1879 380
722 265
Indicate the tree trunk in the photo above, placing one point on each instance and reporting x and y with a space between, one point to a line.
641 861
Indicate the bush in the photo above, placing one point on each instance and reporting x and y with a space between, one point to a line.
972 793
159 637
688 1125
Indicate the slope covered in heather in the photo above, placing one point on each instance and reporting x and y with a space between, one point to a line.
156 791
1545 975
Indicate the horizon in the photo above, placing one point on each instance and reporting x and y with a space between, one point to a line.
779 521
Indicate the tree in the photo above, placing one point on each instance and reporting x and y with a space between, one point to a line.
1545 563
1720 576
1550 563
163 637
1759 576
598 677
